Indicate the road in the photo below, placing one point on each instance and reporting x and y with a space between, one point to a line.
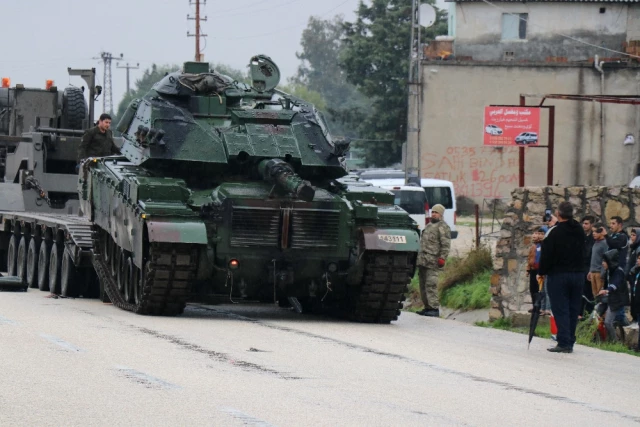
81 362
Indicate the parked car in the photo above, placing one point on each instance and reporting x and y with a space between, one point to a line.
527 138
493 130
412 199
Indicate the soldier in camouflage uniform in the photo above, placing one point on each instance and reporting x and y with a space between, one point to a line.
435 244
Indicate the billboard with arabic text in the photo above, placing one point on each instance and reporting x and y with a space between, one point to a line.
519 126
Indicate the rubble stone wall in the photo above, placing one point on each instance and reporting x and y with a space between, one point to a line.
509 283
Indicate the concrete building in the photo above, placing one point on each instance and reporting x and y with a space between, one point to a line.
556 49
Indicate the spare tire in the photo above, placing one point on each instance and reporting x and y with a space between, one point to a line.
74 108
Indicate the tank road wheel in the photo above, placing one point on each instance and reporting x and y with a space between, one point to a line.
115 259
138 284
122 271
130 275
68 277
55 260
106 248
43 265
21 264
32 263
12 255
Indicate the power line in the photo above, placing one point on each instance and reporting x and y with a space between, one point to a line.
281 29
129 67
517 15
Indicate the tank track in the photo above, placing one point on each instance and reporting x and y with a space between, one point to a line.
378 298
170 270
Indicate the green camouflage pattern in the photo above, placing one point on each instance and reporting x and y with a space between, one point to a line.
245 173
435 243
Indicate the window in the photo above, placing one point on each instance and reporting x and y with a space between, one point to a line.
514 26
439 195
410 201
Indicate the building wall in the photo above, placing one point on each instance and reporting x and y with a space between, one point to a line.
478 29
452 113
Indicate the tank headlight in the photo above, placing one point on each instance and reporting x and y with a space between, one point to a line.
234 264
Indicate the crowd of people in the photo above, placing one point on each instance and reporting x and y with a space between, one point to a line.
581 263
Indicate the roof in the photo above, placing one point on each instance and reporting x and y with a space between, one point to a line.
546 1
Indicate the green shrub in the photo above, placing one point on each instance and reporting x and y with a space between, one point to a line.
460 270
470 295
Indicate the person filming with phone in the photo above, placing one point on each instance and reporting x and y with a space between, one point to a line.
561 261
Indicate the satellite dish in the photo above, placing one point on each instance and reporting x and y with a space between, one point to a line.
427 15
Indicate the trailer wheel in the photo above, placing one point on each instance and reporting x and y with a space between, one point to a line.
55 260
21 264
12 255
32 263
68 277
43 265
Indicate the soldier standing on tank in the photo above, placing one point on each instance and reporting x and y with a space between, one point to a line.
435 245
98 141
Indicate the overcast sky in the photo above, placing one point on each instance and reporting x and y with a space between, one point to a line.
41 38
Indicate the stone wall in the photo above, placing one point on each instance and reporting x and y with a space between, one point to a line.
509 283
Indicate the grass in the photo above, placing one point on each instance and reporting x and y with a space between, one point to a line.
469 295
584 335
461 270
463 284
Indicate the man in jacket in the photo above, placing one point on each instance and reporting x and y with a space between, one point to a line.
561 261
618 239
98 141
435 245
616 291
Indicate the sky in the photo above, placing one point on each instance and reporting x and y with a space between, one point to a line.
51 35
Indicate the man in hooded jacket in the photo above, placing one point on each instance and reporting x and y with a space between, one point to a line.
561 261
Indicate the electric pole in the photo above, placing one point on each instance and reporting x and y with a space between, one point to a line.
199 56
412 149
107 96
128 67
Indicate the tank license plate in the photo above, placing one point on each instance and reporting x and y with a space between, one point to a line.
392 238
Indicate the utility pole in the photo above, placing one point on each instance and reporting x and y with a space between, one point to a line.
128 67
107 99
199 56
412 149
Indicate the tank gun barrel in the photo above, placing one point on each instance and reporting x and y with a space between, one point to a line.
281 174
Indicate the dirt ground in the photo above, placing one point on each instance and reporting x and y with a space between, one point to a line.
466 235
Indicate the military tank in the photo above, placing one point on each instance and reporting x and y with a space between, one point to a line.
234 190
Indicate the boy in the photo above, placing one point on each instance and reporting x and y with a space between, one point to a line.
616 289
533 262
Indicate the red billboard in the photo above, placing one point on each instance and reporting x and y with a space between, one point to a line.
518 126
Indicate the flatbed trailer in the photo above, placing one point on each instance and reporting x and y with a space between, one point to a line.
52 252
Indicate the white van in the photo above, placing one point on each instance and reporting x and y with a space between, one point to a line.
439 191
412 199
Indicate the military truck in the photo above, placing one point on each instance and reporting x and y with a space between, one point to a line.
40 131
226 189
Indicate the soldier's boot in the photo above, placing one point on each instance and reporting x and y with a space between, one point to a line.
432 313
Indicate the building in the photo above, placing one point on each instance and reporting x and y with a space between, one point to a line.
504 49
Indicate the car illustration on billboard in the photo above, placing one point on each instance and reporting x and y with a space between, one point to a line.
493 130
527 138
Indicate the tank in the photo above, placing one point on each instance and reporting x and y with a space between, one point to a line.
226 191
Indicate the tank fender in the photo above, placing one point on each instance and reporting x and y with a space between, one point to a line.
390 239
175 231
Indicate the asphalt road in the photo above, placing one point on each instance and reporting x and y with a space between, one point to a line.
80 362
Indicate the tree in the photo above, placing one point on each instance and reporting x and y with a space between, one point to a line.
156 73
375 58
143 85
320 72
